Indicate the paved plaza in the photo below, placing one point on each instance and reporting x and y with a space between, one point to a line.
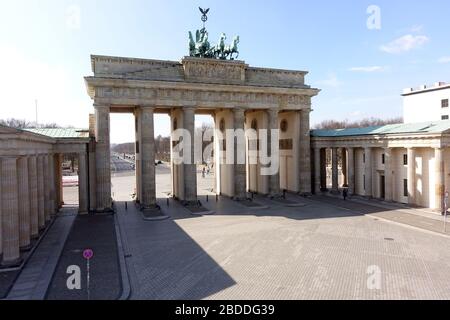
321 249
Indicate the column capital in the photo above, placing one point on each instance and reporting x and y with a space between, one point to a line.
240 110
100 106
272 111
308 111
9 157
189 108
146 107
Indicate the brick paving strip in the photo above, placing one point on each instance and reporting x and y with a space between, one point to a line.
98 233
32 282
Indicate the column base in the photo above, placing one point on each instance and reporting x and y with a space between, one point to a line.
305 194
190 203
153 213
11 264
239 198
275 196
26 248
104 210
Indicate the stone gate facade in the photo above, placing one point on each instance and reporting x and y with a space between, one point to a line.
235 94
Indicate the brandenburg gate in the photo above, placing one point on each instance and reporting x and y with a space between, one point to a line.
236 95
209 81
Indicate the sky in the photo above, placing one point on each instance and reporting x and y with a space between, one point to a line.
361 54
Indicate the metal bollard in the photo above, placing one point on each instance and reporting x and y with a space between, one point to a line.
207 198
217 197
126 205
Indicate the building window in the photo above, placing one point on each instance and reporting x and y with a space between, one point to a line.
405 187
444 103
405 159
383 158
364 158
444 117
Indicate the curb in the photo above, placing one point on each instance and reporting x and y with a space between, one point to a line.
126 287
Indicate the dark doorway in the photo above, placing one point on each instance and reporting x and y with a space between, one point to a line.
382 187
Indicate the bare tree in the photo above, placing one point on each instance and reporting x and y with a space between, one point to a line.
346 124
22 124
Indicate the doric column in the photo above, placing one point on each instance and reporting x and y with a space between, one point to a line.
103 158
92 178
51 183
368 171
41 191
317 171
439 179
305 153
323 169
10 212
24 203
351 170
58 180
274 179
335 170
82 184
344 166
137 153
147 149
33 191
388 177
190 169
240 177
47 200
411 176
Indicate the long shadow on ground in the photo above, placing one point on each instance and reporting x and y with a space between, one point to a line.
166 263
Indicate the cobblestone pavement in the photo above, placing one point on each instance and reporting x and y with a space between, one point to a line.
392 212
316 251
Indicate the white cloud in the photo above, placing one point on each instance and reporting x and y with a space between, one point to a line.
405 44
331 81
368 69
444 60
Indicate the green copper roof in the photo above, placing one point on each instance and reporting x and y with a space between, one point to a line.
412 128
59 133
